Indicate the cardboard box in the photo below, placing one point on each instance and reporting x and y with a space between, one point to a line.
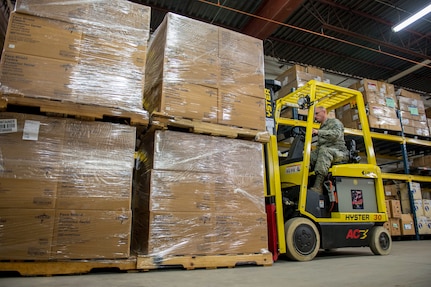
118 15
408 94
31 148
241 110
21 74
419 209
173 150
91 234
182 191
415 189
395 208
296 77
26 234
201 233
407 225
32 35
427 207
388 208
395 227
424 225
27 193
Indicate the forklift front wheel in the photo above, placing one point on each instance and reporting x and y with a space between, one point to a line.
302 239
380 241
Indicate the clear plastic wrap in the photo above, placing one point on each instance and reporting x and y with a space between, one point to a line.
200 71
86 52
198 195
58 166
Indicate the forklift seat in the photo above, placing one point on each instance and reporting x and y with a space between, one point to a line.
354 156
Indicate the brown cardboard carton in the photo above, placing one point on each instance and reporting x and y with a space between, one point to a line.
97 167
194 233
31 149
176 233
240 233
189 101
242 78
408 94
26 234
241 110
120 15
395 208
173 150
182 191
37 76
240 48
91 234
33 35
395 227
27 193
407 225
424 225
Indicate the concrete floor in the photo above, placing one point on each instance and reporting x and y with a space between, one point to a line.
409 264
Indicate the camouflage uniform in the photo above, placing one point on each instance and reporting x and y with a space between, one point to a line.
331 147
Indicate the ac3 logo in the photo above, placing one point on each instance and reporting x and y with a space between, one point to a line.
357 234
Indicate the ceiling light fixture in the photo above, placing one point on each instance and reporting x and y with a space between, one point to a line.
412 19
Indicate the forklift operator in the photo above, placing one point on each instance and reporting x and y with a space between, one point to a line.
331 146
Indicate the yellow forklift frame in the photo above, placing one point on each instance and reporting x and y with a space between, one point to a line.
331 97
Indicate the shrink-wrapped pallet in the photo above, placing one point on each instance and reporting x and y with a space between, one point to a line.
198 194
85 52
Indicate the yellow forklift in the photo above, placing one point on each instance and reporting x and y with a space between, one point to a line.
352 210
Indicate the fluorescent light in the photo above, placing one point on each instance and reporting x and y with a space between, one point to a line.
412 19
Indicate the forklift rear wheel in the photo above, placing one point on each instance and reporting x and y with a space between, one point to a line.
380 241
302 239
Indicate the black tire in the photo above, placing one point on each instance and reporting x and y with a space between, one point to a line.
302 239
380 241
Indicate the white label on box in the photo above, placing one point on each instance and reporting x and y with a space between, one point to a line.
31 130
407 226
8 126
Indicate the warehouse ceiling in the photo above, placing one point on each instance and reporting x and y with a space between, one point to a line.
349 38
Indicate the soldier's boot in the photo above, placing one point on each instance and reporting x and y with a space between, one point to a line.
318 184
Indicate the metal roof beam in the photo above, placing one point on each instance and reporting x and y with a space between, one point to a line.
276 10
375 41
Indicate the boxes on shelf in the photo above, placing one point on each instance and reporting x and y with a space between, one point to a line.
395 208
376 92
407 224
194 75
395 227
422 161
412 112
296 77
61 56
424 225
203 184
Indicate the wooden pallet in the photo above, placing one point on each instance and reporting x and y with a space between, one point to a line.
78 111
69 267
189 262
161 121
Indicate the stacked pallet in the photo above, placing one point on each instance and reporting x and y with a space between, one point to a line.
65 183
412 113
201 195
65 188
89 53
381 104
205 73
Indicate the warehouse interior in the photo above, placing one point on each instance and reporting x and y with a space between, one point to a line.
349 41
135 135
